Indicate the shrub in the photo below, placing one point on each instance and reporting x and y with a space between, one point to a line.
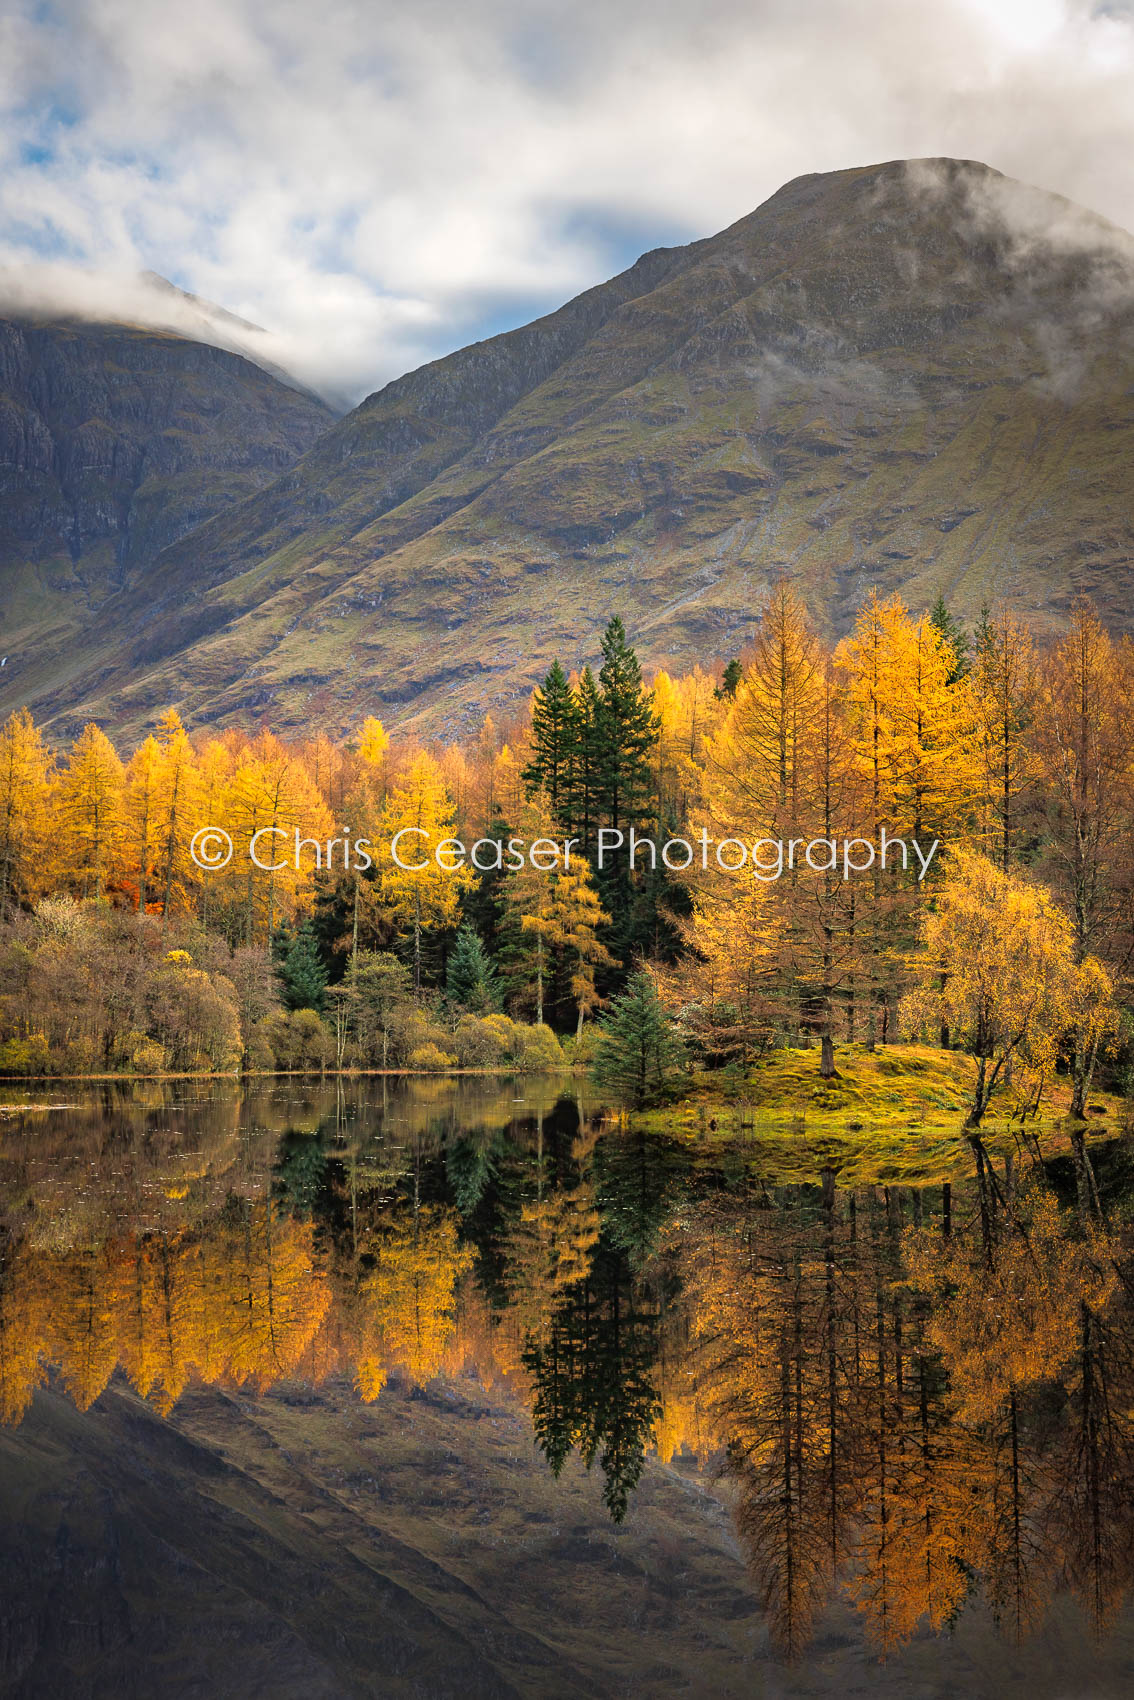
149 1057
484 1043
431 1056
579 1049
25 1056
537 1047
192 1017
298 1040
411 1031
260 1056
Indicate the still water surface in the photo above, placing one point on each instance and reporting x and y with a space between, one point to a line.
456 1387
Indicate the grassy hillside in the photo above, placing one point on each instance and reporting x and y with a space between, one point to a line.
894 377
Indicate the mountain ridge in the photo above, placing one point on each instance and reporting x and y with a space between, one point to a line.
114 442
912 376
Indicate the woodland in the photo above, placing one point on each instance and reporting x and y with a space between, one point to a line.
118 953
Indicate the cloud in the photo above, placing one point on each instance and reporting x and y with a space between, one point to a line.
1069 274
378 184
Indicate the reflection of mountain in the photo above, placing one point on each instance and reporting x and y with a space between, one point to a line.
301 1548
922 1399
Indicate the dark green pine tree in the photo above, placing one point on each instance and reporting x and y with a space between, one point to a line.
481 907
730 679
638 1056
954 634
580 809
557 1416
553 740
302 976
300 1171
624 1398
627 734
639 1179
470 978
984 634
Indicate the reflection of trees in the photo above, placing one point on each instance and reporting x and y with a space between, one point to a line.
593 1390
586 1328
406 1310
1093 1467
916 1411
22 1322
915 1397
239 1303
764 1293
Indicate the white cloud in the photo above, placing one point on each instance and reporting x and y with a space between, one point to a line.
376 183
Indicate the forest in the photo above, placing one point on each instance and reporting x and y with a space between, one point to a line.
119 953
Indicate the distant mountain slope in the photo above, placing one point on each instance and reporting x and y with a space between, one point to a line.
909 376
115 442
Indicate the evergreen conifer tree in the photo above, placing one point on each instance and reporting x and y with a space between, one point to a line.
580 809
302 976
470 975
553 738
730 679
638 1057
955 636
627 733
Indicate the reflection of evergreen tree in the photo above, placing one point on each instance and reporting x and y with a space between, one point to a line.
594 1390
300 1180
558 1387
638 1178
485 1181
490 1175
471 1165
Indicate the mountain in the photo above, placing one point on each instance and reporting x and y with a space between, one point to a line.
114 443
914 376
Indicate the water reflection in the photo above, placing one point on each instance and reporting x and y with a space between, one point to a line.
922 1397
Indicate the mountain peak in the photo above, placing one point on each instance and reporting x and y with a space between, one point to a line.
209 310
908 377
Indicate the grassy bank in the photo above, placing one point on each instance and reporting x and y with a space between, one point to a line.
896 1114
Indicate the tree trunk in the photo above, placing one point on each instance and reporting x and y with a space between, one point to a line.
827 1069
1082 1070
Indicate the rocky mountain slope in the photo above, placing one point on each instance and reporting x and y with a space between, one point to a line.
914 376
115 442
